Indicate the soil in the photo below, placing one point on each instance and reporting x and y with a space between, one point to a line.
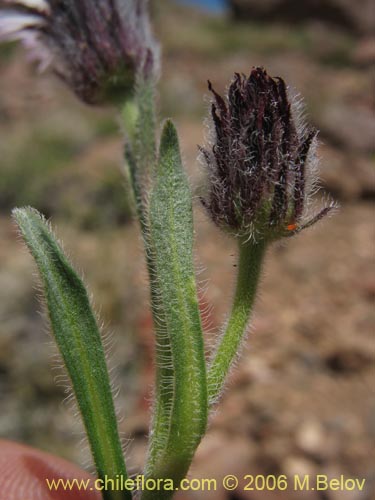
300 399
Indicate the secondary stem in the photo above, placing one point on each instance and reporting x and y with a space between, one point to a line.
250 261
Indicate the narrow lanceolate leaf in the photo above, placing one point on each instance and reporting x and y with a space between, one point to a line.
140 155
78 338
171 234
163 391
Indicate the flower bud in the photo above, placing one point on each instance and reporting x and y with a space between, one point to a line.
96 46
261 161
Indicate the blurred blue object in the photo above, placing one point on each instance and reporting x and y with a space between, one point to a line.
213 5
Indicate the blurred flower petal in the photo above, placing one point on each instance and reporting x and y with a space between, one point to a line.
13 23
97 47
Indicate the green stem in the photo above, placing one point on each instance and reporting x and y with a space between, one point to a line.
250 261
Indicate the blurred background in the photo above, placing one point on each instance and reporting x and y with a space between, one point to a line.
301 400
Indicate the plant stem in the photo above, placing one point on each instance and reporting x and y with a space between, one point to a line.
251 256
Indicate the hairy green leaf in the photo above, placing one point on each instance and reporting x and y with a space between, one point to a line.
78 338
140 155
171 235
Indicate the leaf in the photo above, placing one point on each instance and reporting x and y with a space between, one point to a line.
171 235
78 338
140 156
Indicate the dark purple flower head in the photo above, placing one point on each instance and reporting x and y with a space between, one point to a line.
96 46
261 163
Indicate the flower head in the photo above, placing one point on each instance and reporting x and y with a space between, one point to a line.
261 164
96 46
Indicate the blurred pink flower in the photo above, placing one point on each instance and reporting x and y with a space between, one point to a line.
96 46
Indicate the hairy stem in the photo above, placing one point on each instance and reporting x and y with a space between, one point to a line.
250 261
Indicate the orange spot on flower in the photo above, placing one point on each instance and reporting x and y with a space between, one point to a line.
292 227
